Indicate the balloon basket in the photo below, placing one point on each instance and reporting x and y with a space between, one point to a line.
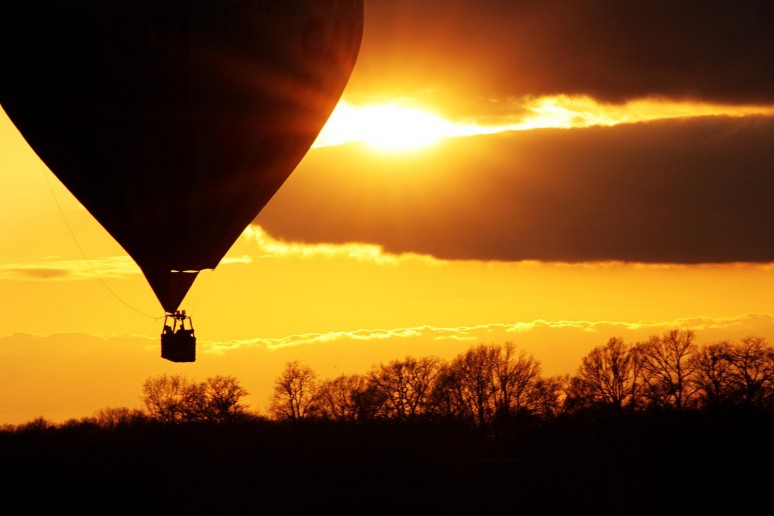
178 343
177 349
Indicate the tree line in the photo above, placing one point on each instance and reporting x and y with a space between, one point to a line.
486 387
491 383
662 425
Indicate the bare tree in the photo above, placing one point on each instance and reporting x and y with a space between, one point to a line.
223 399
466 387
176 399
668 369
350 398
607 376
38 425
295 395
336 397
173 399
714 375
551 396
580 395
488 382
113 417
407 385
752 372
370 403
515 375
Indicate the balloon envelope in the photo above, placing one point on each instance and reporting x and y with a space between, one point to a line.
174 121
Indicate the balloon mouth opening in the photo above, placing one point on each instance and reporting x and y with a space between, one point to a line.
170 286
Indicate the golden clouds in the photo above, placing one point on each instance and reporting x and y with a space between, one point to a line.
494 332
405 125
270 247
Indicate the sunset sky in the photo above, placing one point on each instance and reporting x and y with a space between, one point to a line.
548 173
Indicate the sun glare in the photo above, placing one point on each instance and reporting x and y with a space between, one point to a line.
388 127
398 128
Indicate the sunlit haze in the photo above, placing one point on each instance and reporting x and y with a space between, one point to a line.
391 126
491 171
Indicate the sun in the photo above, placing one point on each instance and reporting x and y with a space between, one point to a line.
396 126
385 127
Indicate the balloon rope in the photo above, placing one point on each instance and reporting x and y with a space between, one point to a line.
199 293
78 245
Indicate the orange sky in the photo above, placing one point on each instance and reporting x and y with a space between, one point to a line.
564 198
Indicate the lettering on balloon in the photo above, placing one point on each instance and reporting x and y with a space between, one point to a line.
330 41
330 45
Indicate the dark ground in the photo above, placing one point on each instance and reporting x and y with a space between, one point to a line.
656 465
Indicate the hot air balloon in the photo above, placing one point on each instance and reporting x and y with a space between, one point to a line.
174 122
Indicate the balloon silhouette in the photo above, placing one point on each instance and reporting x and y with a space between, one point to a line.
174 121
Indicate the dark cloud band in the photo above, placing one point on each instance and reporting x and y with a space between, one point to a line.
610 49
682 191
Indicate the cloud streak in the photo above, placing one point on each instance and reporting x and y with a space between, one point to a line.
492 331
62 269
270 247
